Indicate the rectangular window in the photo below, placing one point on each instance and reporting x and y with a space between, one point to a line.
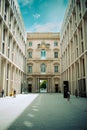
0 5
29 69
82 46
7 71
83 65
3 47
43 54
30 43
77 52
4 34
55 54
43 68
5 10
81 33
55 43
30 54
86 3
55 69
8 52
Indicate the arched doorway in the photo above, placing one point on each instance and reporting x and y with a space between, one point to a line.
43 86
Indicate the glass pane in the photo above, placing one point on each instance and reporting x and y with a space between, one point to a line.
43 54
43 68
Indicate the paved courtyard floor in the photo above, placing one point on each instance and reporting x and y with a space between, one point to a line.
43 112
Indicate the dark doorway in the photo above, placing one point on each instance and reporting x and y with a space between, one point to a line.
56 88
65 88
82 88
29 88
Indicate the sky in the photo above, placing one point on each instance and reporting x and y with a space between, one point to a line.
43 15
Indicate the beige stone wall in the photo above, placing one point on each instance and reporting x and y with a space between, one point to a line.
12 47
43 41
74 47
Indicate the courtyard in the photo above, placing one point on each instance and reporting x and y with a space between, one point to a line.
44 111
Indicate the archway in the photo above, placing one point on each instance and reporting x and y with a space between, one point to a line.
43 86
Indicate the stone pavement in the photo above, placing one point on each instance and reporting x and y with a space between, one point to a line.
11 108
48 112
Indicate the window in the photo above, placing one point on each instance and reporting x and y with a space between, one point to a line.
55 54
4 34
3 47
86 3
30 69
6 6
43 68
30 54
81 33
30 43
79 4
56 68
55 43
7 70
43 54
0 5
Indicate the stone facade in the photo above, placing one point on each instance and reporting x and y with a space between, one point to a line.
43 61
74 47
12 47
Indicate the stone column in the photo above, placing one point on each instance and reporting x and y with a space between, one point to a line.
9 79
71 79
75 77
4 76
38 85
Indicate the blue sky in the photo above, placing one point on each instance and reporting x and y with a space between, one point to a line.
43 15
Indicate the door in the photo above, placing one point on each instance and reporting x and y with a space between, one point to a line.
56 88
29 88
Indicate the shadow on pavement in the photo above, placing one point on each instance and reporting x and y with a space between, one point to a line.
51 112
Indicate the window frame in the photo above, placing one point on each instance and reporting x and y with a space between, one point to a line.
30 43
43 68
55 43
29 68
55 68
43 54
56 54
30 54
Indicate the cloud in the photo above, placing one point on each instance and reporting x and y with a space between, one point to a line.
36 16
25 2
48 27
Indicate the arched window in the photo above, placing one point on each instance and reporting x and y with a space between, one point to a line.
43 68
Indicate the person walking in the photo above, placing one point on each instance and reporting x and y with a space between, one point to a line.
2 92
14 93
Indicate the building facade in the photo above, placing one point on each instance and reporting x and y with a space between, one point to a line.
12 47
43 61
74 47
